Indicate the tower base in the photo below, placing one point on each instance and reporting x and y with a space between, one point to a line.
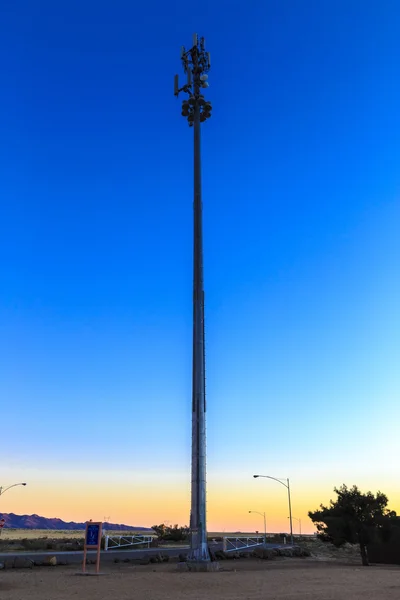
200 553
198 566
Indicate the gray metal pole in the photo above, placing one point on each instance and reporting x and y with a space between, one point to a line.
196 109
290 513
199 546
265 530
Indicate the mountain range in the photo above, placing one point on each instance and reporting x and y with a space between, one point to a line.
13 521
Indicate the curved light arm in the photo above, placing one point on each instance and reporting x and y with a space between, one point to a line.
257 513
274 478
3 490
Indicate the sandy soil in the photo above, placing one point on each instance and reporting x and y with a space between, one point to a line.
242 580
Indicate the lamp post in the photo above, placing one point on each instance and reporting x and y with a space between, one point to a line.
299 521
265 523
287 486
196 64
3 490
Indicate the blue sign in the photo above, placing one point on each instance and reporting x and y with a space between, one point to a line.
92 534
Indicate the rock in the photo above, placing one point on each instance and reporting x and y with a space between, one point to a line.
232 555
47 562
165 558
288 552
2 566
153 559
264 553
182 558
301 552
201 566
23 563
116 560
159 558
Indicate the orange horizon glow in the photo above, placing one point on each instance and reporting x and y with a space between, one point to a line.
151 502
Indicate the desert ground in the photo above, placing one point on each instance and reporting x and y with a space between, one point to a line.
291 579
20 534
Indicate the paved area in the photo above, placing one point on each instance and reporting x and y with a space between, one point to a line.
247 579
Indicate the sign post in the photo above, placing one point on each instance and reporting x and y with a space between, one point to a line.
92 542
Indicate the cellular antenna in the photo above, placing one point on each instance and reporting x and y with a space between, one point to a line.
196 110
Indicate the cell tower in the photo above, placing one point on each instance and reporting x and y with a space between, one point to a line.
196 64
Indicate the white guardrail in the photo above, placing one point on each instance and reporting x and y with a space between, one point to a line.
242 543
114 542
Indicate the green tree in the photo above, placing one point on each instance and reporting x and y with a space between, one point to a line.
171 534
355 518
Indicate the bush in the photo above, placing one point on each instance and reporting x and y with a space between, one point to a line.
171 534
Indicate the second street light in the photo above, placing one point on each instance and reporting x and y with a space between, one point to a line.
265 523
287 486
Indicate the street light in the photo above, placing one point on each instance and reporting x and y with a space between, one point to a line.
265 523
4 490
299 521
287 486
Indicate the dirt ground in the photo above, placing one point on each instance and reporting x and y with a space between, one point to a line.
292 579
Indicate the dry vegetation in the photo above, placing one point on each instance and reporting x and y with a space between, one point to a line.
46 540
35 534
42 540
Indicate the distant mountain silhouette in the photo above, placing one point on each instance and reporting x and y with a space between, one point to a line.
13 521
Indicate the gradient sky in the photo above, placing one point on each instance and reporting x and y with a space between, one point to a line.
301 192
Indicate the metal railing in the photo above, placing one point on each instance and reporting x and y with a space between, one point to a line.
114 542
232 544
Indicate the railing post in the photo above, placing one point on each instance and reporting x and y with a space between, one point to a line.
106 543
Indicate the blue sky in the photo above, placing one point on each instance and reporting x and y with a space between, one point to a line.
301 212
